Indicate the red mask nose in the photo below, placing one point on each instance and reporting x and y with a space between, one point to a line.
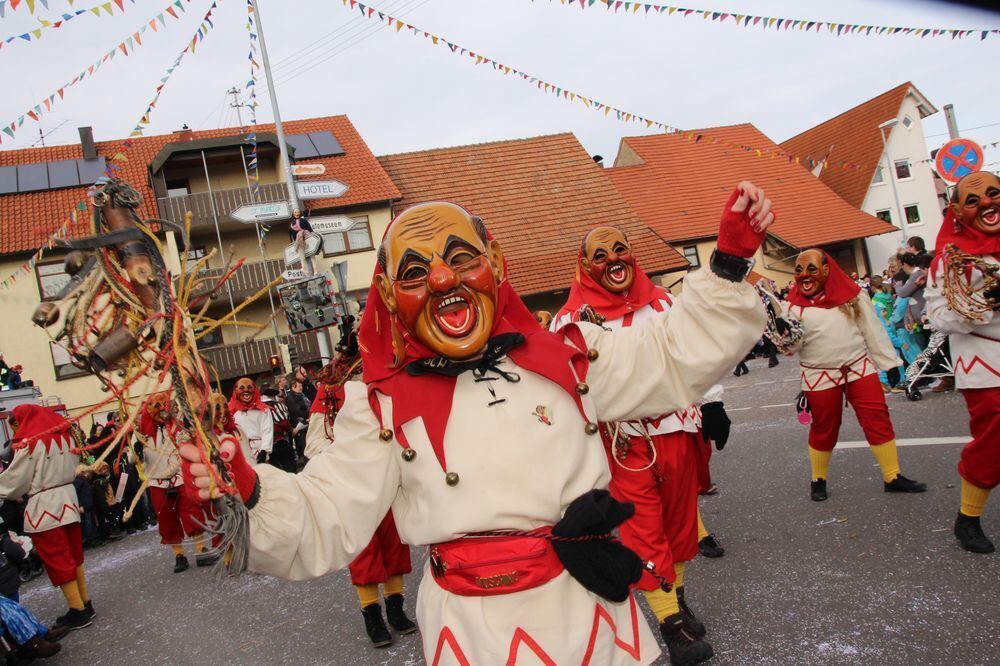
442 279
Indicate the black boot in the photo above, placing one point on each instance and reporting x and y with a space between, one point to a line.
180 564
375 626
772 362
88 608
75 619
38 648
205 559
969 532
901 484
397 616
693 623
817 490
684 647
710 547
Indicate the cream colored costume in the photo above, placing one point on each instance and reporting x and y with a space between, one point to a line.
161 462
44 472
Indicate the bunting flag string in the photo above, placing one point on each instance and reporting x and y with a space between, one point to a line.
131 43
115 162
103 9
397 25
251 89
779 23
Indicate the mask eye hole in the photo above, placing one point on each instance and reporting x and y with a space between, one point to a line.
600 256
414 272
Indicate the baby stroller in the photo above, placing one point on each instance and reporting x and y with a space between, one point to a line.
931 363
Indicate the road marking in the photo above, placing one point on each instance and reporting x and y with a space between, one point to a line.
743 409
914 441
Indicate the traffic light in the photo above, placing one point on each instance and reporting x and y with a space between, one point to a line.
275 362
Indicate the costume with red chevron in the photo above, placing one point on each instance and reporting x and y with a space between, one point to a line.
963 296
842 348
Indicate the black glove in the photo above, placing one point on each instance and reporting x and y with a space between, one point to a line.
782 325
892 376
715 424
262 456
603 566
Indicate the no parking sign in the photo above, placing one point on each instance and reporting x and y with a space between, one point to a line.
958 158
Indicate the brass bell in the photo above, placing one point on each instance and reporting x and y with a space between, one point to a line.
592 354
409 454
590 428
582 388
451 478
74 262
385 434
45 314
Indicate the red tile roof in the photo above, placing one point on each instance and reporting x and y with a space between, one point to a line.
853 136
679 186
27 220
538 197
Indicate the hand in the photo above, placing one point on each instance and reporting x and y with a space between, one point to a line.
715 424
782 325
745 220
262 456
198 474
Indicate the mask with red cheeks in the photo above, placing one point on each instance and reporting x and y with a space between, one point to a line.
978 202
245 390
811 273
441 279
607 257
220 410
159 408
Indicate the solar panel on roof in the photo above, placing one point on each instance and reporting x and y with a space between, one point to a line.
326 144
90 170
32 177
8 180
63 174
302 146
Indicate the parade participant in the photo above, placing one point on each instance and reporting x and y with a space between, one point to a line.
254 418
543 317
963 297
44 466
178 510
841 351
472 419
654 461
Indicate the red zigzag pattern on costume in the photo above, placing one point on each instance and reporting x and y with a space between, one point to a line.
44 513
966 368
522 637
839 379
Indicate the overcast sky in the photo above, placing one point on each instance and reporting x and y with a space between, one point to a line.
403 94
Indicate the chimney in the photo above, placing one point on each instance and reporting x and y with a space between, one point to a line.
87 142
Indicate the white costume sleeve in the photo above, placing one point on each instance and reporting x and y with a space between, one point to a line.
316 438
942 317
876 338
267 431
671 360
16 479
787 315
713 394
308 524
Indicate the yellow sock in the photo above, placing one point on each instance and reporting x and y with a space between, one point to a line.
973 499
367 594
178 550
663 604
199 544
702 532
887 459
71 591
81 584
679 568
820 462
393 586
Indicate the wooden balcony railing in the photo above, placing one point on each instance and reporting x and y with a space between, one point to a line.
252 357
226 201
246 281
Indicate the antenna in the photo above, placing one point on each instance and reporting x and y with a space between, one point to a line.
236 104
41 135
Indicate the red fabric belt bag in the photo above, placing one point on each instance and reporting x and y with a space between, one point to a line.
487 566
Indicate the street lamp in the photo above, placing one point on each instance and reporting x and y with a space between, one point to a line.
892 178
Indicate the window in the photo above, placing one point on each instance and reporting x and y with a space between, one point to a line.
912 214
179 187
885 215
879 177
903 169
907 122
192 257
691 254
62 363
357 238
51 279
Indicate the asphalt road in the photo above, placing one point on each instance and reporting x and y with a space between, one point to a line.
864 578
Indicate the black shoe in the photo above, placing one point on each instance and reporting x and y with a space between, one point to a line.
684 647
901 484
88 608
180 564
57 632
773 363
205 560
75 619
817 490
712 490
969 532
710 547
375 626
397 616
692 623
38 648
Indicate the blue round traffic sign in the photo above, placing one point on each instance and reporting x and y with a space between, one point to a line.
958 158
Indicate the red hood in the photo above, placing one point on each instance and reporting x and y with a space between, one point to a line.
586 291
839 289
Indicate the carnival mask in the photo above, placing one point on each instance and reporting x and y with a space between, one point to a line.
159 408
811 272
977 204
220 411
543 317
245 390
607 256
441 278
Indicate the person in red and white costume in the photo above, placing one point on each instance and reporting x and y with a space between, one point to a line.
179 511
253 418
479 430
842 348
43 468
654 460
972 225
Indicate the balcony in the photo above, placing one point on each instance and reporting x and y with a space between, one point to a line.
252 357
226 201
246 281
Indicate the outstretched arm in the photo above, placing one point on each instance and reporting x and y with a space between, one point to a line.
876 338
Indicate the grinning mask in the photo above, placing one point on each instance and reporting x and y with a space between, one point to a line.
607 256
159 408
811 272
977 202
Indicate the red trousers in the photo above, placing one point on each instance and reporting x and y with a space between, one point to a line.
980 462
868 400
61 552
384 556
703 458
178 514
664 528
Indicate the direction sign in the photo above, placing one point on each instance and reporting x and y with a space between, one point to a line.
260 213
293 274
331 224
313 243
308 169
958 158
319 189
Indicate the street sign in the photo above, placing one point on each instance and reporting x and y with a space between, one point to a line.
319 189
958 158
313 243
339 270
331 224
308 169
261 213
293 274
